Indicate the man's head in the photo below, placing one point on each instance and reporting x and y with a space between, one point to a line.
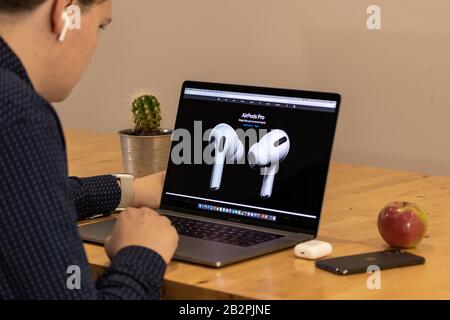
33 27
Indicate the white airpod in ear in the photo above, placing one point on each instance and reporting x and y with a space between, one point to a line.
227 147
267 155
65 17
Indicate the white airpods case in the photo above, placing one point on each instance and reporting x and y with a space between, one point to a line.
313 249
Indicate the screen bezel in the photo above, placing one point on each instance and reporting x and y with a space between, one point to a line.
265 91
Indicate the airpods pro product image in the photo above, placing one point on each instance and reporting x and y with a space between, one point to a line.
267 155
227 148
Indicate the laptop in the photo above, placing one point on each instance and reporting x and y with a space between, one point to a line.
247 171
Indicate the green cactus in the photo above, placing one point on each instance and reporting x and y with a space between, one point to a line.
147 115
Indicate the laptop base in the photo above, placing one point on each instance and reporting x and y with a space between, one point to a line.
200 251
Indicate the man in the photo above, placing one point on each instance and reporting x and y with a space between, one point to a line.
39 204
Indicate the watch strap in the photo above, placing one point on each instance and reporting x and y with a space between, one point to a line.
126 182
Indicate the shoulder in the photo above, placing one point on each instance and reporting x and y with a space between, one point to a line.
24 115
19 101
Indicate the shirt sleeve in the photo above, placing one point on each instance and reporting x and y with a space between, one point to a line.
95 195
39 238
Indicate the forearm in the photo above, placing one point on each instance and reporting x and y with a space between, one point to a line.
148 190
95 195
102 194
134 273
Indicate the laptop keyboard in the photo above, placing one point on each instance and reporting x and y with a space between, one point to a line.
220 233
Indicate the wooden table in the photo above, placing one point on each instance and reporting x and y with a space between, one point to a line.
354 196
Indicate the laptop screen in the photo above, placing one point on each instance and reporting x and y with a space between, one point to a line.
253 155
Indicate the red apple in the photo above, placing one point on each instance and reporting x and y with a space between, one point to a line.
402 224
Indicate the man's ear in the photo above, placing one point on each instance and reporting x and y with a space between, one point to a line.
59 7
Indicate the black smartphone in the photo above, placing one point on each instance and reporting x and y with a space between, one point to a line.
359 263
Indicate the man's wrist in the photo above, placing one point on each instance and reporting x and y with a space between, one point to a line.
148 190
126 183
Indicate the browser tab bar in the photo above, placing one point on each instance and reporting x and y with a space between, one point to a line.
269 100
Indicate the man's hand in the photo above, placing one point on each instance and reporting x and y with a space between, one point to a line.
148 191
145 228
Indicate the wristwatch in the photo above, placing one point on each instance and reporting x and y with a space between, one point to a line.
126 183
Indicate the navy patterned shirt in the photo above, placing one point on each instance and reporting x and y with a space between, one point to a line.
39 242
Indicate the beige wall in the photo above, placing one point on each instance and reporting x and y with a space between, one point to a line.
395 82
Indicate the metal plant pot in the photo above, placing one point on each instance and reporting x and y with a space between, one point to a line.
145 155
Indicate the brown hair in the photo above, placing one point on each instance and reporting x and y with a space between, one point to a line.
20 6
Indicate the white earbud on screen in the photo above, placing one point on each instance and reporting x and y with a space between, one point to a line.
65 17
267 155
227 147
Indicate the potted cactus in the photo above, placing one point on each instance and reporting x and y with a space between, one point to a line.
146 147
